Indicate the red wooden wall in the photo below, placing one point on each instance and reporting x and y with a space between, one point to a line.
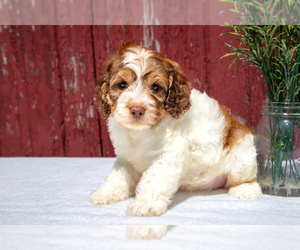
114 12
47 75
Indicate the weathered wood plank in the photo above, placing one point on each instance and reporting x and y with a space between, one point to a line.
27 12
227 86
185 45
101 51
30 92
256 94
74 12
76 63
13 106
241 90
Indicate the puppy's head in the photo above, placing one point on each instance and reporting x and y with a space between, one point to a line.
138 86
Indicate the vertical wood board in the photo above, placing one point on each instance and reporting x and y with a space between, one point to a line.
30 92
76 62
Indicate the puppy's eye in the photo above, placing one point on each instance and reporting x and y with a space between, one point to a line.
123 85
154 87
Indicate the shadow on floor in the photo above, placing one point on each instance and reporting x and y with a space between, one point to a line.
183 196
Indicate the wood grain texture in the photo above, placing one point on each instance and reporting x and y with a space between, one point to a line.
30 93
28 12
48 74
76 63
113 12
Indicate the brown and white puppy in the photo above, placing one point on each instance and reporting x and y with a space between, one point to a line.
167 136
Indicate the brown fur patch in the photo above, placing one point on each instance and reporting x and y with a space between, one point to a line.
101 93
233 131
160 111
135 104
124 75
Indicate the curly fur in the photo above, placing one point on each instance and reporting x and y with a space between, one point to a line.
101 93
178 102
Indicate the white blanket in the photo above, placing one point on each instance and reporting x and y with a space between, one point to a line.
54 192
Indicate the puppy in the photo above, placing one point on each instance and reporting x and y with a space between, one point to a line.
168 136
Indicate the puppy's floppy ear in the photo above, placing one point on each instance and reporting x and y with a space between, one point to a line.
101 93
178 97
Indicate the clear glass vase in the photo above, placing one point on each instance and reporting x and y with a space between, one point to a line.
278 149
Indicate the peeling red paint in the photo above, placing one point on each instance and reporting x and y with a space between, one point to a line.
114 12
76 63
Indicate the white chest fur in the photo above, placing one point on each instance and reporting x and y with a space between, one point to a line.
139 147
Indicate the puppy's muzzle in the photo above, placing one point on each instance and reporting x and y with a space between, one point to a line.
137 111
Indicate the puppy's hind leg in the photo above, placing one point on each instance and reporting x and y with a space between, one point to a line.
241 179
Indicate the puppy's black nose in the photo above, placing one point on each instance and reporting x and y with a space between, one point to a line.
137 111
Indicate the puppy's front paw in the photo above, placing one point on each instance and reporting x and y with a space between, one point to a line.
146 232
246 191
147 208
107 195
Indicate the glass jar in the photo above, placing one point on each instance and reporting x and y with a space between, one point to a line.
278 149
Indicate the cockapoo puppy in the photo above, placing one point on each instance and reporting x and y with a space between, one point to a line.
168 136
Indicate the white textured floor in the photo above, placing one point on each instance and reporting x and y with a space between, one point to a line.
177 237
45 202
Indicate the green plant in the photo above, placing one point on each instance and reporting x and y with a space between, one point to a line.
267 12
276 51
